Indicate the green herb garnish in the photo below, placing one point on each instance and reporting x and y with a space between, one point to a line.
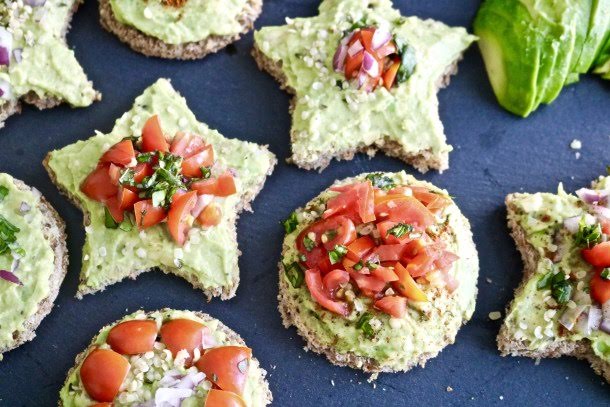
381 181
358 266
3 192
8 238
163 183
364 324
588 235
408 60
145 157
561 289
291 223
308 243
109 221
605 274
294 274
400 229
337 254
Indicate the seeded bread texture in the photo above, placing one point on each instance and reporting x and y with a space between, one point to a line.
55 236
154 47
422 160
232 337
507 344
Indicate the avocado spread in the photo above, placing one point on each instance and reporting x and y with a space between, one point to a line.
554 304
394 343
147 370
209 257
188 21
30 259
331 115
35 58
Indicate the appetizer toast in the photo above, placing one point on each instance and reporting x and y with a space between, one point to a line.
161 190
39 69
166 357
200 27
561 307
364 78
378 272
33 260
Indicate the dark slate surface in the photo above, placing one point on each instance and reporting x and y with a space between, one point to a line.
495 154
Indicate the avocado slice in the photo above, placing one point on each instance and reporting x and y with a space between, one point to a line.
597 35
602 61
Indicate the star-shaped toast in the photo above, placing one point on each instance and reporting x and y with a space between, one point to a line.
562 306
36 65
208 258
337 109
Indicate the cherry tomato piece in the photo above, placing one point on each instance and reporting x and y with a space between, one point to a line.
334 279
152 136
392 305
210 216
98 185
226 367
102 373
191 166
179 334
133 337
179 214
406 286
122 153
186 144
599 287
599 255
221 398
147 214
313 279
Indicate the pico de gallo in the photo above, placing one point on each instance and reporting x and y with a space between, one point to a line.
377 241
140 361
370 57
156 180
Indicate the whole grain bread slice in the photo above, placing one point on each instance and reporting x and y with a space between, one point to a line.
422 160
507 344
55 235
232 336
154 47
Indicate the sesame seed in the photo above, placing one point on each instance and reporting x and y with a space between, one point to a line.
495 315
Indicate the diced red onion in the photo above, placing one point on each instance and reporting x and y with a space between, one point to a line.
5 57
451 284
5 90
10 277
601 212
170 397
380 38
18 55
35 3
24 207
355 48
605 324
370 65
191 380
387 49
594 318
572 224
570 316
339 58
591 196
15 265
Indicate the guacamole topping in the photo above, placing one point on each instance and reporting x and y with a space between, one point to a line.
209 255
163 357
404 294
566 299
179 22
34 57
26 259
330 114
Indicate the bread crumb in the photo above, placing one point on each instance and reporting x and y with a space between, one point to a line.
449 389
576 144
332 382
495 315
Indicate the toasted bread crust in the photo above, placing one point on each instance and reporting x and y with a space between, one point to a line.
422 160
55 235
231 335
507 344
154 47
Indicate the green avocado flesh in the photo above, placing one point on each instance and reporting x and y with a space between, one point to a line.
533 317
139 390
47 67
332 115
209 258
397 344
18 303
533 48
196 20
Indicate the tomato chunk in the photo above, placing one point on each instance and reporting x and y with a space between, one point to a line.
141 171
122 153
406 286
368 283
390 74
191 166
133 337
147 214
221 398
360 248
599 255
98 185
226 367
385 274
126 198
179 215
102 373
222 186
179 334
114 207
334 279
392 305
210 216
186 144
152 136
313 279
390 252
600 287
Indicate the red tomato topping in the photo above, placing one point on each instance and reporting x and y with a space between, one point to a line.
222 186
385 274
126 198
133 337
226 367
142 171
122 153
370 284
210 216
179 334
102 373
221 398
334 279
152 136
147 214
360 248
599 255
186 144
406 286
313 279
179 214
599 287
191 166
393 305
114 207
98 185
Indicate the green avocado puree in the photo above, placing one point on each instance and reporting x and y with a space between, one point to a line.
210 255
20 302
532 318
194 21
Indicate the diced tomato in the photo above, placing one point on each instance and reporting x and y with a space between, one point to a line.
599 287
406 286
384 231
348 263
385 274
152 136
205 186
114 207
599 255
141 171
98 185
339 230
114 172
147 214
412 249
605 226
122 153
352 64
186 144
210 216
422 263
356 201
133 337
102 405
179 215
392 305
225 185
183 334
102 373
446 260
389 75
226 367
390 252
126 198
359 248
405 209
318 258
366 37
221 398
191 166
334 279
313 279
368 282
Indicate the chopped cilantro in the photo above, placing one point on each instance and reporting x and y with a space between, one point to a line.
109 221
291 223
545 281
8 238
331 234
372 265
337 254
400 229
605 274
358 266
163 183
588 235
381 181
364 324
561 288
144 157
3 192
308 243
408 60
294 274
